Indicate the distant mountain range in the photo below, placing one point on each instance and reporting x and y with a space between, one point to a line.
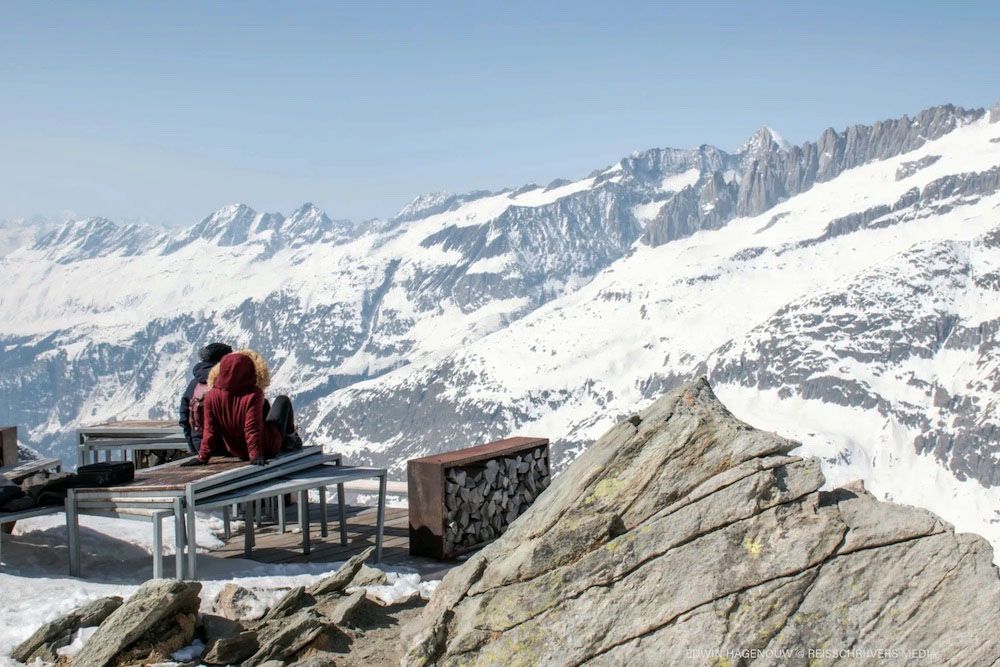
18 232
845 292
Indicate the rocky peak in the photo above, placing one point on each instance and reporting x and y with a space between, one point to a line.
308 224
764 140
684 529
308 215
995 113
426 204
230 225
770 170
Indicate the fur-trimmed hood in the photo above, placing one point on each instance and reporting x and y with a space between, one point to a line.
262 374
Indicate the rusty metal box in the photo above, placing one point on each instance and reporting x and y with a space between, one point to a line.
462 500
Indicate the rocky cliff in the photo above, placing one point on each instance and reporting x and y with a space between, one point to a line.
685 536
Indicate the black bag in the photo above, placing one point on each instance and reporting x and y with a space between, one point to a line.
49 488
9 491
108 473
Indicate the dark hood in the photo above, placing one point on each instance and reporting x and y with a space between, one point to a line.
201 369
237 374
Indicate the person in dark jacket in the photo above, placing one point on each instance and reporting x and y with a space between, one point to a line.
209 356
236 422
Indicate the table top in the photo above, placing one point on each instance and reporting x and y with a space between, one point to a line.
310 478
26 468
174 478
490 450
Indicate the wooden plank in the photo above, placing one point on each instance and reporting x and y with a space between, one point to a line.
172 478
273 547
8 446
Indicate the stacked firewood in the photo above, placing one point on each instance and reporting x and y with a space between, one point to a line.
482 499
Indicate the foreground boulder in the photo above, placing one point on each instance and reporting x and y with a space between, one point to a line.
51 637
157 620
685 536
319 625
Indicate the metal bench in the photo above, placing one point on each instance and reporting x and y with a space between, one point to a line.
301 483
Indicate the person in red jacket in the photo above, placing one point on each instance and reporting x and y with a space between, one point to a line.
237 419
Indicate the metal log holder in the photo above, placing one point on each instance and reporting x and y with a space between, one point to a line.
459 501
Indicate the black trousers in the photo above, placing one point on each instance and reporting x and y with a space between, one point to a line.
281 414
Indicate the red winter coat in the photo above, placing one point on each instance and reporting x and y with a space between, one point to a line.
234 414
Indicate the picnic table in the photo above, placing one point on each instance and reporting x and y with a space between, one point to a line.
127 439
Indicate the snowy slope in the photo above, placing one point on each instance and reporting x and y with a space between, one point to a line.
859 317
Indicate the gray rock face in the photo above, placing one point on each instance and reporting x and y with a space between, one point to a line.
237 603
908 169
231 650
800 349
42 645
686 533
766 173
157 620
339 580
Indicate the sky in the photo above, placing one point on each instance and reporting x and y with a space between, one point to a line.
164 112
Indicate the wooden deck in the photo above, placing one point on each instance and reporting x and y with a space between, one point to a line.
272 547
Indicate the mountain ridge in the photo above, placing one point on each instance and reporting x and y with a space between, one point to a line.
466 317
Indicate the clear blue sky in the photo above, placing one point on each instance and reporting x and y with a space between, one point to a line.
166 111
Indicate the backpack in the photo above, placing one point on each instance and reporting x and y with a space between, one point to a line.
196 408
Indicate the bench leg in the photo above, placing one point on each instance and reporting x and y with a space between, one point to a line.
81 450
180 539
157 546
304 520
73 534
323 531
192 537
227 531
249 509
281 515
380 523
343 514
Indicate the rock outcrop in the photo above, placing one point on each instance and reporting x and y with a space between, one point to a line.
685 536
318 625
159 619
48 639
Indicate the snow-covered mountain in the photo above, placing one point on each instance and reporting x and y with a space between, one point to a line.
844 292
18 232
